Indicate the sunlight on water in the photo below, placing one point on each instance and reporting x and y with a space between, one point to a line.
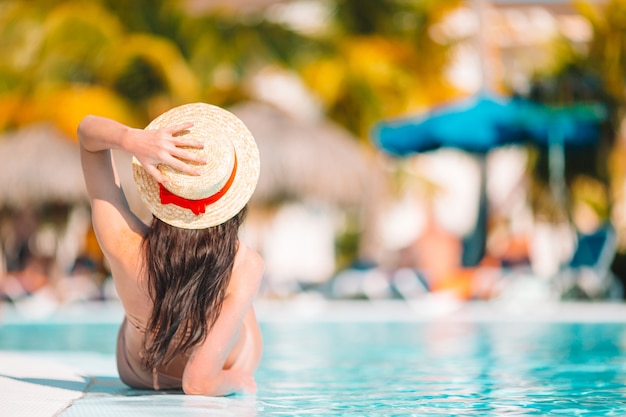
408 368
444 369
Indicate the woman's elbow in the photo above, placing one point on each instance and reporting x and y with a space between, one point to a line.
195 386
82 126
84 131
190 389
228 382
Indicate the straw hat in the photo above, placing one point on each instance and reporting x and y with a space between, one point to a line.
227 180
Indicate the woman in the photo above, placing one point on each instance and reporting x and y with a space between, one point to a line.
185 281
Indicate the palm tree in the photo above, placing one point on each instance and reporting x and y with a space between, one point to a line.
144 56
598 75
570 85
607 59
49 73
381 61
607 50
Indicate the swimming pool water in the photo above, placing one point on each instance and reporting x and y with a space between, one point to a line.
445 369
38 336
409 368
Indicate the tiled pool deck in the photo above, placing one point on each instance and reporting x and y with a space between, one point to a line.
72 384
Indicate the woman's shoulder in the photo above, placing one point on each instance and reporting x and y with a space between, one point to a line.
248 267
247 257
250 256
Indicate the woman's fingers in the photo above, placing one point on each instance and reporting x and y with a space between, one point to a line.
182 142
183 166
156 174
188 156
178 130
177 164
177 150
179 137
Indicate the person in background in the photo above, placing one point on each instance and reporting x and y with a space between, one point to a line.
185 281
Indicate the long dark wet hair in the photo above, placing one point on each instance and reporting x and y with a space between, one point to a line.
188 273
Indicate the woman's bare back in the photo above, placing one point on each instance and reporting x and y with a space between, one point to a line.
224 362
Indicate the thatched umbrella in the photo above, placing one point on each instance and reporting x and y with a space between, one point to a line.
39 165
300 159
308 159
314 160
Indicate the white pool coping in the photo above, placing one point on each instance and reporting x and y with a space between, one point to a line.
315 308
438 307
36 384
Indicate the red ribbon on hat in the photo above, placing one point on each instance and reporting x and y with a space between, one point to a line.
196 206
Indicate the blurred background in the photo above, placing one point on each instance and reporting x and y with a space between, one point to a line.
470 149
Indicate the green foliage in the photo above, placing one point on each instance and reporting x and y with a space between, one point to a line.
596 74
607 51
139 81
152 52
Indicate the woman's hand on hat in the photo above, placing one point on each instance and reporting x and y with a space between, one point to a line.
167 146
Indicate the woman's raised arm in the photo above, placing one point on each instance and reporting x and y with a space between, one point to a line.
111 215
150 147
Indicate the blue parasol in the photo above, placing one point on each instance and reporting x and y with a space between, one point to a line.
487 121
478 124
